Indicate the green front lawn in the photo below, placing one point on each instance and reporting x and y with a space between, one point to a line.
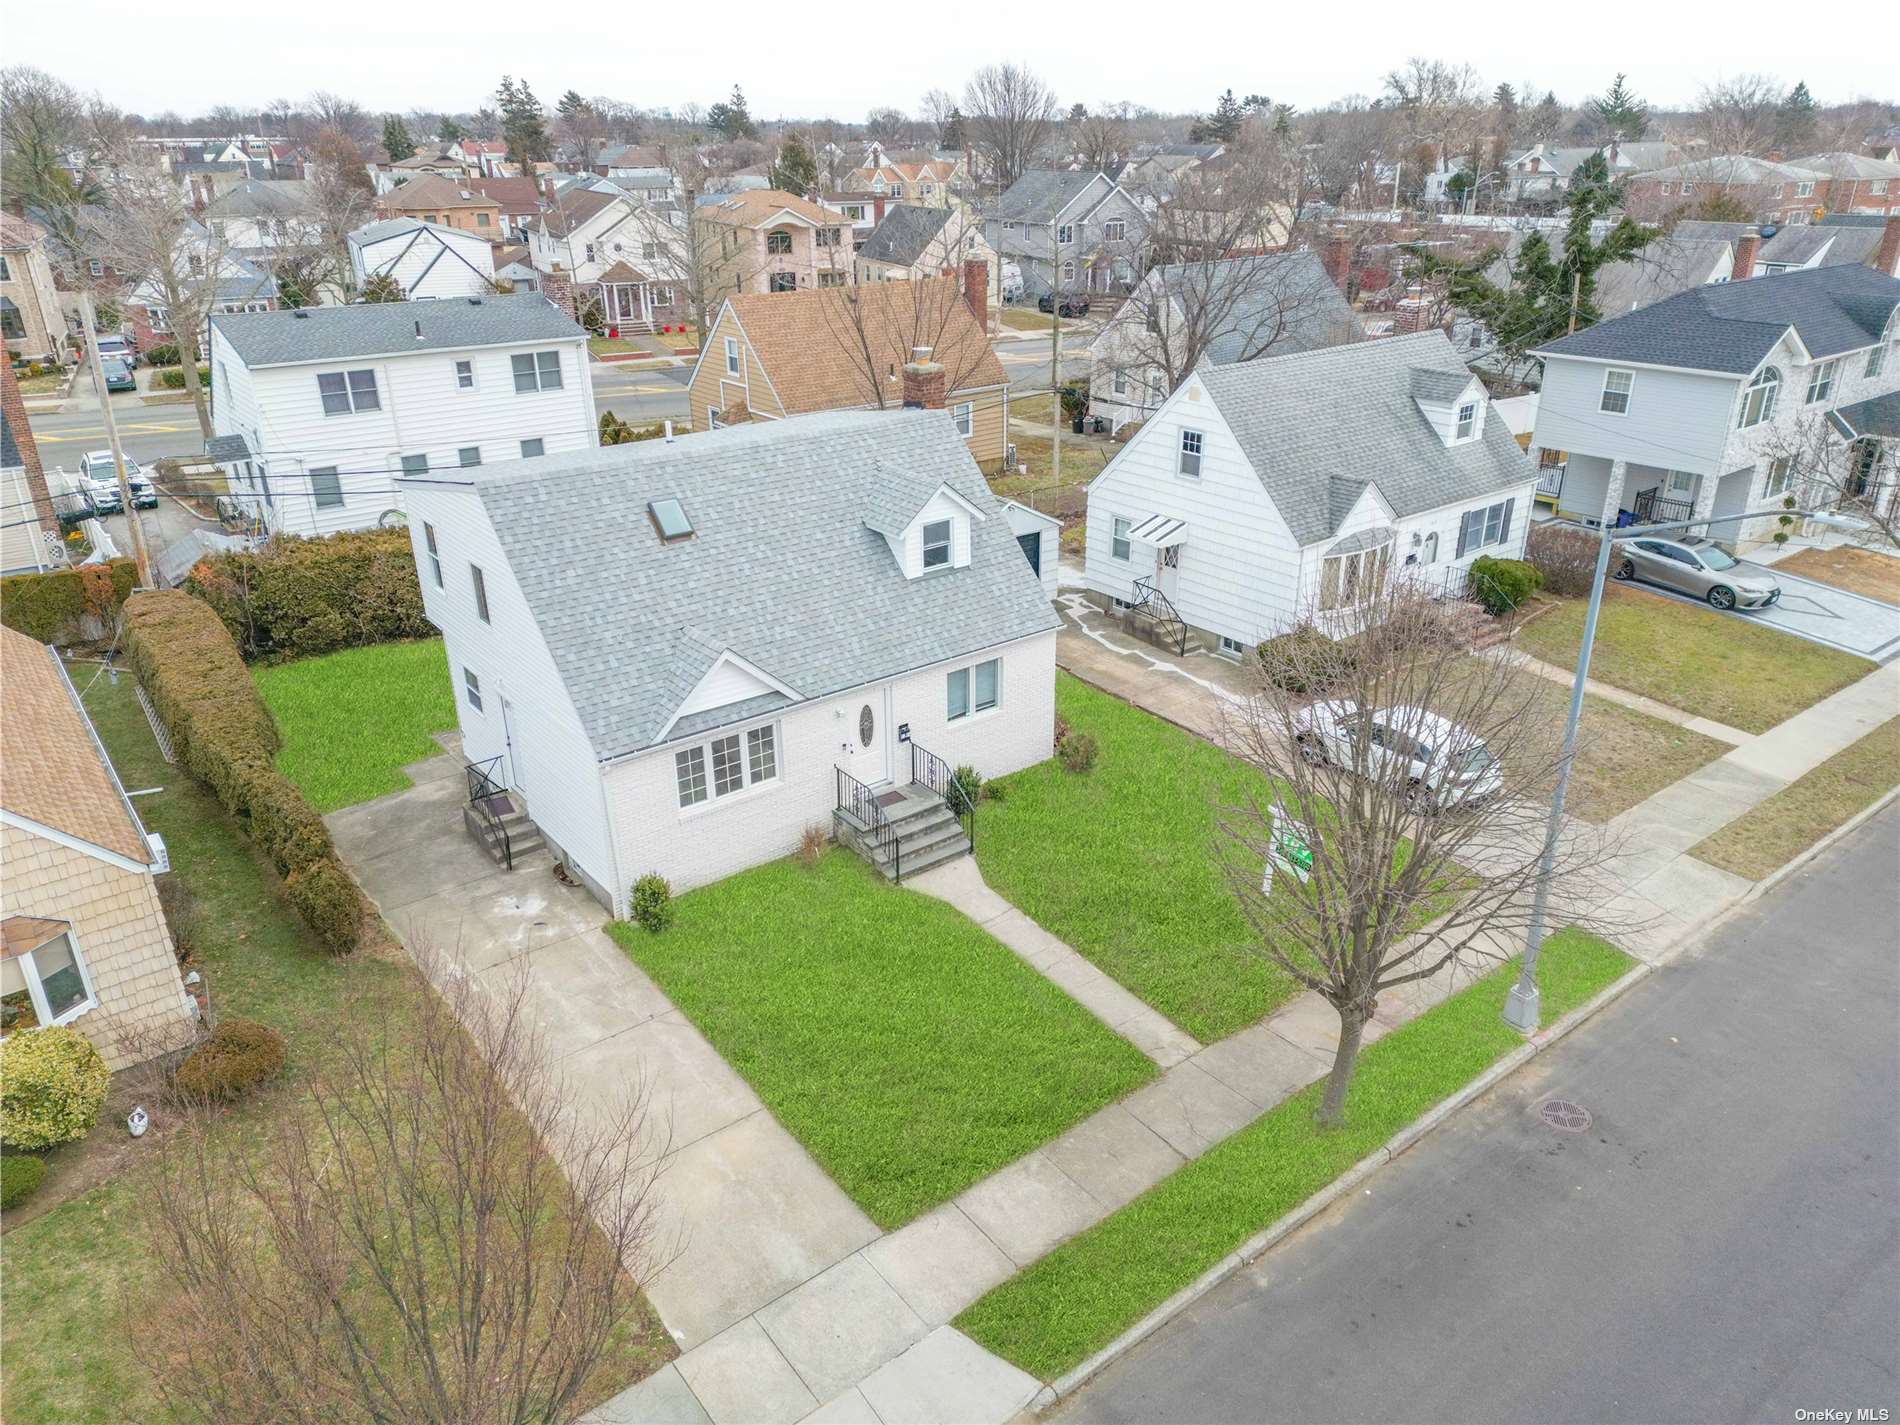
351 720
1025 319
909 1051
1747 675
64 1351
1118 863
1052 1316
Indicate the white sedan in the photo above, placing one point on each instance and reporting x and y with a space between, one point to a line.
1444 764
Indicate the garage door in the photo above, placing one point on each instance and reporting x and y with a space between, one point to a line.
1032 549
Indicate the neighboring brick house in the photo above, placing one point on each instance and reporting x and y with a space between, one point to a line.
1780 193
452 203
1838 239
768 241
520 200
1856 183
925 184
29 302
83 939
778 354
29 534
1069 232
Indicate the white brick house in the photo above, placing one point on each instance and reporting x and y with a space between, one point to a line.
798 615
333 403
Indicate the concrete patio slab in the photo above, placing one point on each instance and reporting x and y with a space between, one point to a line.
1260 1065
851 1408
947 1377
939 1263
1029 1207
840 1326
1189 1109
663 1398
754 1216
582 990
740 1378
1114 1156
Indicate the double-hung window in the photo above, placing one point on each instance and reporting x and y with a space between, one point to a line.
473 687
47 981
1777 477
326 487
965 417
1821 380
729 763
1478 529
1190 462
435 552
465 376
1115 230
537 370
1065 233
1758 402
973 689
1616 392
778 242
1876 362
1118 538
1467 420
347 392
732 356
481 591
937 544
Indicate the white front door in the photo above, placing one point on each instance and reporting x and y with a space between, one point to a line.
872 739
1168 570
511 735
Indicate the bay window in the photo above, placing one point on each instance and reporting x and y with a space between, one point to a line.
1354 577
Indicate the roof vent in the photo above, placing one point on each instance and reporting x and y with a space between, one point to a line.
474 301
418 331
300 314
669 518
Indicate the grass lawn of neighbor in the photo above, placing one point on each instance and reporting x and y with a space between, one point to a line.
907 1049
1775 831
1062 1309
1859 571
64 1352
351 720
1025 319
1118 863
1724 668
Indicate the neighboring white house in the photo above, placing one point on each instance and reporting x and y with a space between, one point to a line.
1287 490
793 618
1069 232
630 257
333 402
1714 402
425 259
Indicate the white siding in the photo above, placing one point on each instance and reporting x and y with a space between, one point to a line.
909 547
1677 420
699 844
1023 521
423 269
1239 574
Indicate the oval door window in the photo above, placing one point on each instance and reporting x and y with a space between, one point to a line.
866 726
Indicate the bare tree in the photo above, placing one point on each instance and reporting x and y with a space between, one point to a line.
878 325
1402 886
404 1247
936 108
333 111
1100 138
1738 115
1009 115
340 195
1441 105
1345 144
1813 466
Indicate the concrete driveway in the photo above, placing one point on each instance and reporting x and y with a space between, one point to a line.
1821 614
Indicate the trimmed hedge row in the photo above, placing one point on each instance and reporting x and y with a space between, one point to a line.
67 606
224 735
296 598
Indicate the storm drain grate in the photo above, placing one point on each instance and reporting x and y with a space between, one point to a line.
1563 1115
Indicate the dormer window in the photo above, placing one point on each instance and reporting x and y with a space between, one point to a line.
937 544
1467 420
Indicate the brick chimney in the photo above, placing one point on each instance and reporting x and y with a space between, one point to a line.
1887 259
923 381
976 289
547 188
14 407
1337 260
1747 249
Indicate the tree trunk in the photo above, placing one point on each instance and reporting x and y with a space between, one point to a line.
188 351
1332 1107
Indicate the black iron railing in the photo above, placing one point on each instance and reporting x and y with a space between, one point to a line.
487 801
1148 599
927 769
860 803
1653 507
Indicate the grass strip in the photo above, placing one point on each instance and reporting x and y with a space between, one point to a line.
351 720
1062 1309
1779 829
908 1050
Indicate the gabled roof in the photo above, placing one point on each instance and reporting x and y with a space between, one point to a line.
1041 194
577 207
905 234
1733 168
1824 244
763 205
432 190
1320 425
812 343
389 328
261 198
386 228
17 232
1878 416
1732 326
57 774
1285 302
1848 165
516 195
631 635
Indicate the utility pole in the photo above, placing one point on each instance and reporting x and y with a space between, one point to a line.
140 554
1576 294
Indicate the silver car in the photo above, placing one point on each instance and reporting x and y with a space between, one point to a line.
1698 567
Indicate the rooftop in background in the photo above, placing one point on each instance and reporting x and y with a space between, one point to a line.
313 334
1040 194
905 234
763 205
431 190
1282 303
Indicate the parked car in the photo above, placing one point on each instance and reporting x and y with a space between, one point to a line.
96 466
118 375
1073 305
103 496
1445 765
119 347
1699 567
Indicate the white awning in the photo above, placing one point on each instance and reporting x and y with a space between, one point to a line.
1160 532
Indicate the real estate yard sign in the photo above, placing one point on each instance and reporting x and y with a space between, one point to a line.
1288 848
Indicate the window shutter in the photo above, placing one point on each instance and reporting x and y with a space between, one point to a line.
1464 534
1505 538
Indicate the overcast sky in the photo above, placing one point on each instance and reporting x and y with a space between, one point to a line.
814 62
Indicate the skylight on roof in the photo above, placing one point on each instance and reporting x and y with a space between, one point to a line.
669 518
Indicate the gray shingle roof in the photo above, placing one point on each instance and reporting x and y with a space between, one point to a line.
1878 416
1731 326
1317 425
379 328
261 198
226 448
1431 383
906 231
1285 303
781 568
1797 244
1666 265
1039 195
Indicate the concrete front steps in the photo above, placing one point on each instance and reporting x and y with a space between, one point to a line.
928 833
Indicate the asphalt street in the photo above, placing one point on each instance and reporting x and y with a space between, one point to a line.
1721 1244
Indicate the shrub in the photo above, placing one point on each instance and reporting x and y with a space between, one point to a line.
652 902
1305 660
239 1055
20 1175
67 606
965 789
329 902
1503 584
1062 730
1078 752
52 1086
812 842
1565 555
172 378
165 354
300 597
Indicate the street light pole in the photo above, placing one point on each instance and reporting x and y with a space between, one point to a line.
1521 1007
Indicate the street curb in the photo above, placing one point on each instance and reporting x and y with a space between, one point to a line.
1257 1245
1788 868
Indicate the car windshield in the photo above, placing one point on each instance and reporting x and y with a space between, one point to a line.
1475 761
1714 557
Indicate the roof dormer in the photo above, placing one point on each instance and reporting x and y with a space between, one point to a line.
926 524
1453 401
